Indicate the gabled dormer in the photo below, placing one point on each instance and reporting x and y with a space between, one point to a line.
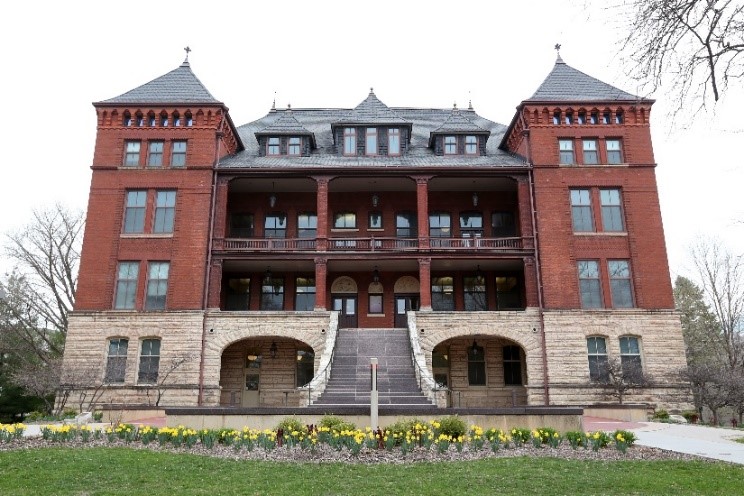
286 136
458 135
580 120
371 129
158 124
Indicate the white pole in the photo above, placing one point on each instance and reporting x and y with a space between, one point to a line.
373 406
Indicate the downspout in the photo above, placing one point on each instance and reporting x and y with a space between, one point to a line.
538 272
208 267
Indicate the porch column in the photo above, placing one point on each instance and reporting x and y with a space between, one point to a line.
321 243
525 211
215 284
220 208
425 283
422 212
321 274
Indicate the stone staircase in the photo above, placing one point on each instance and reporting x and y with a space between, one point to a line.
349 383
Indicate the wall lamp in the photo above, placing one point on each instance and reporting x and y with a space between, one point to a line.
375 200
475 199
273 349
375 275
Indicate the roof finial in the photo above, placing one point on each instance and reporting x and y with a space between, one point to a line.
187 50
289 107
454 106
470 101
558 51
371 90
273 103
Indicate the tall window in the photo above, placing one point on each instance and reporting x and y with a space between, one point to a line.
450 145
476 365
349 141
165 211
273 147
275 225
502 224
507 293
371 148
596 348
238 294
581 210
443 294
471 224
307 225
405 225
155 154
620 285
344 220
241 225
126 285
590 152
614 151
475 293
305 366
294 146
132 154
566 152
394 141
612 212
630 357
471 145
116 360
149 361
272 293
591 293
134 212
304 293
178 153
512 366
440 225
157 285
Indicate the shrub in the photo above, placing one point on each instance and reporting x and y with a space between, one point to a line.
291 424
401 427
452 426
661 415
691 416
69 413
336 424
35 416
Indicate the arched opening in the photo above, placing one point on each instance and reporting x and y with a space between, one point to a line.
344 300
407 298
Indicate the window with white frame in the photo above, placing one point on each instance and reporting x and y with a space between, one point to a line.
394 141
350 141
126 285
294 146
582 216
149 362
450 145
371 141
614 151
612 211
630 357
178 153
620 283
307 225
273 146
596 348
157 285
165 211
590 152
471 145
155 154
116 360
134 212
566 152
132 153
589 285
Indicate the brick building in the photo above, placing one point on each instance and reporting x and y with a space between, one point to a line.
219 262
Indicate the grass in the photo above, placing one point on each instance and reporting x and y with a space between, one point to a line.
111 471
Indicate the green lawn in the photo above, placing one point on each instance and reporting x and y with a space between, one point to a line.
100 471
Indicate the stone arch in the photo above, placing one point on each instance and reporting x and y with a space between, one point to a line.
344 285
406 284
375 288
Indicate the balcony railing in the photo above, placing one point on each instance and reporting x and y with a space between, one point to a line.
373 244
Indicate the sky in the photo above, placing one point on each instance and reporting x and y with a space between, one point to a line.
59 57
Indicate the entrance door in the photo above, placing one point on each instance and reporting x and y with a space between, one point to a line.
403 304
252 381
346 306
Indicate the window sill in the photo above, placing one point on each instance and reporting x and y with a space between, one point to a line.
146 235
343 230
601 233
375 315
376 230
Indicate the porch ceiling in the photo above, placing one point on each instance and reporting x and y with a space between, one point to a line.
370 184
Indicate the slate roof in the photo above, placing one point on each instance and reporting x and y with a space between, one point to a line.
564 83
286 124
419 155
178 86
371 111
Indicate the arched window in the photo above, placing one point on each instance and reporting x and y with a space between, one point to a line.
176 119
127 120
116 360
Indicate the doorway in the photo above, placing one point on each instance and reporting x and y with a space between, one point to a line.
346 306
251 391
403 304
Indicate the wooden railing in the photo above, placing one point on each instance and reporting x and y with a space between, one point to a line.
372 244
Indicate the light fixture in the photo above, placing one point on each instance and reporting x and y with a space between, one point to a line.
479 273
474 348
273 349
375 275
475 199
267 275
272 200
375 200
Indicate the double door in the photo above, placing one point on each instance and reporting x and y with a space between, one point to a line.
346 306
403 304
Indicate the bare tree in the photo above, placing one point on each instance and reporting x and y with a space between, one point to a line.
164 375
692 46
620 378
722 278
708 383
39 378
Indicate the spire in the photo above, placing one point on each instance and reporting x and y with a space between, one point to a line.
186 60
558 60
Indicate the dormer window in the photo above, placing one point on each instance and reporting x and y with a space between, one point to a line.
471 145
450 145
394 141
371 141
273 147
349 141
294 146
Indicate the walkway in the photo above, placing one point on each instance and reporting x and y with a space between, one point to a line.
710 442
